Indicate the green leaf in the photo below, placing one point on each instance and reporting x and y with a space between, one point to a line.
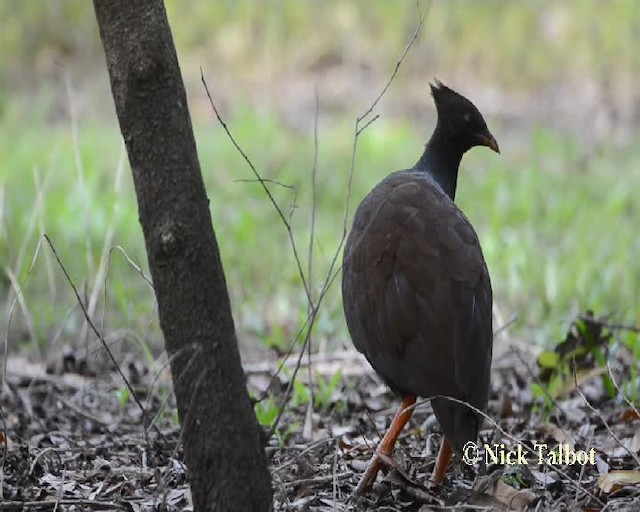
549 360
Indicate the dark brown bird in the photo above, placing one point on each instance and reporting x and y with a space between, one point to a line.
416 290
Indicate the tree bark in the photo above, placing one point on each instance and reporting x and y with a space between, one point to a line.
223 448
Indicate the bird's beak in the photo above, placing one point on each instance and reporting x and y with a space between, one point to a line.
488 140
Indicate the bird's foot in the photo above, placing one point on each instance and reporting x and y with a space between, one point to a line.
369 476
376 463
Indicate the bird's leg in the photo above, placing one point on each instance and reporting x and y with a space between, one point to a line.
442 462
388 441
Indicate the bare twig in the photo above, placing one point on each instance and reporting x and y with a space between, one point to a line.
313 306
314 172
506 325
308 423
50 505
262 182
624 397
319 479
91 324
602 418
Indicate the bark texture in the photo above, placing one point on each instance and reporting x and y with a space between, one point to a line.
223 447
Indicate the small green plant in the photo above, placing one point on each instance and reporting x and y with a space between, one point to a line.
325 389
123 396
587 347
266 411
284 436
277 340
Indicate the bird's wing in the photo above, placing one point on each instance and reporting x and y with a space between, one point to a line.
416 291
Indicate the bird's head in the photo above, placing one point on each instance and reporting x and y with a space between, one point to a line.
459 121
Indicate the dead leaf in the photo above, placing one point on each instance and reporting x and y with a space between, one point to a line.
616 479
557 433
630 415
514 499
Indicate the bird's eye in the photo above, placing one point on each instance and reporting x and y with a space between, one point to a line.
466 116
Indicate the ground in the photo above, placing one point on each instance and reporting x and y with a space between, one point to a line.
76 440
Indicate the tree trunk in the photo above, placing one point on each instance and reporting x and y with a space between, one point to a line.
224 453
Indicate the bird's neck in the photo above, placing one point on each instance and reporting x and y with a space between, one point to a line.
441 161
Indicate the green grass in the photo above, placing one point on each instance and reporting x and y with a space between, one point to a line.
492 39
557 220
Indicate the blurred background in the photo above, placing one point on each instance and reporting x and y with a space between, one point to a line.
557 212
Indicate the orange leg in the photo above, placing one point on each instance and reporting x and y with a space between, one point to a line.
386 445
442 462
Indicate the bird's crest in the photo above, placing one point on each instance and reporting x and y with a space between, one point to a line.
439 91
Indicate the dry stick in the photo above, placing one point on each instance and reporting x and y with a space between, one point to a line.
334 486
265 180
287 225
314 169
318 479
624 397
306 450
506 325
49 504
601 417
5 443
91 324
332 272
196 352
60 490
312 316
264 186
287 395
314 172
105 287
582 470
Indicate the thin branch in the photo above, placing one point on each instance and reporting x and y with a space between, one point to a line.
624 397
332 272
262 182
602 418
314 170
91 324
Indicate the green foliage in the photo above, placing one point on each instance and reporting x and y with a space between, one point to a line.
303 34
325 389
586 350
123 396
266 411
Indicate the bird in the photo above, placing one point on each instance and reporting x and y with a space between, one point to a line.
416 290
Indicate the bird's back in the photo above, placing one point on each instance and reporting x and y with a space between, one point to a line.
417 298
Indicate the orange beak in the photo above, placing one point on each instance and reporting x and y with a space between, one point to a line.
489 141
